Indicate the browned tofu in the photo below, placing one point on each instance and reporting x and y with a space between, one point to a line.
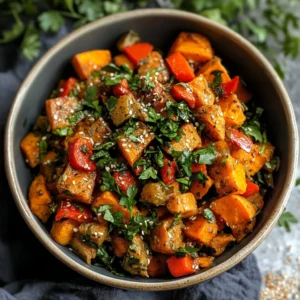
189 140
154 61
213 118
184 204
233 111
167 237
59 110
77 185
132 151
228 175
31 149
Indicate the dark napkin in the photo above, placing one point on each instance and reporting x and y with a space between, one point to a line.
28 271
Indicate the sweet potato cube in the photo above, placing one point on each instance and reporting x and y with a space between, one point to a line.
220 242
158 266
132 151
120 246
233 111
242 93
253 161
167 237
31 149
205 261
77 185
189 140
234 209
110 198
62 231
86 63
199 190
201 91
193 46
47 166
40 198
241 230
184 204
213 118
215 64
84 251
200 230
59 110
122 59
257 200
228 175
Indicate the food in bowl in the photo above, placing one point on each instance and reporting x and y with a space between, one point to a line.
146 165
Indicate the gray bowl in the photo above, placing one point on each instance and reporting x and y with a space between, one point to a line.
159 27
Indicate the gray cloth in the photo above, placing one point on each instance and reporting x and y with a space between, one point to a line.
28 271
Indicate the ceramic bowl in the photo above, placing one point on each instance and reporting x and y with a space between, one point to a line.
159 27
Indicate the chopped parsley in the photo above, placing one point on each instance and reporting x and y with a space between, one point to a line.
209 215
83 148
182 252
63 131
111 103
286 219
43 147
91 101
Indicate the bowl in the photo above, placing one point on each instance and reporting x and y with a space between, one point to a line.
159 27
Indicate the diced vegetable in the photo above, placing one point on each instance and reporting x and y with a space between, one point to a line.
205 261
158 266
84 251
31 149
252 189
242 93
136 259
183 204
193 46
86 63
168 171
122 59
120 246
73 211
59 110
180 67
190 139
128 39
181 266
230 87
124 180
199 189
239 140
62 231
257 200
80 151
180 92
68 86
47 166
94 232
233 209
241 230
167 237
121 89
220 242
138 51
154 193
40 199
77 185
201 230
213 118
198 168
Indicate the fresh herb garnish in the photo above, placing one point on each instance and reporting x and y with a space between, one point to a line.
83 148
209 215
43 147
216 84
206 155
286 219
129 201
298 181
76 117
113 217
90 100
111 103
63 131
180 110
148 173
181 252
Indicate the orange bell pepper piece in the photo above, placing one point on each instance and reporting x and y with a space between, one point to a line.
252 189
181 266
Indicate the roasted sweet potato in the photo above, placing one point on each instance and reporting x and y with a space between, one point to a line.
120 246
86 63
233 111
228 175
40 199
154 193
47 166
213 118
199 190
189 140
122 59
184 204
220 242
77 185
167 237
193 46
132 151
205 261
94 232
253 161
241 230
62 231
234 209
110 198
200 230
59 110
84 251
31 149
257 200
158 266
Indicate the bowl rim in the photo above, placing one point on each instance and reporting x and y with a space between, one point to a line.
34 225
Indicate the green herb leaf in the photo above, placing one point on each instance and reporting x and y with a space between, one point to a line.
209 215
181 252
286 219
51 20
30 45
111 103
206 155
298 181
43 147
90 100
148 173
63 131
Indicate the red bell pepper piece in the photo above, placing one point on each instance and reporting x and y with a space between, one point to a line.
181 266
230 87
122 88
180 92
68 86
252 189
80 151
124 180
138 51
73 211
240 140
180 67
168 171
198 168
